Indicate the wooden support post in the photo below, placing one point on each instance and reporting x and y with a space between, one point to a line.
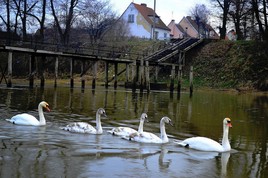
115 74
134 74
183 59
127 74
41 72
83 73
71 73
191 81
56 71
179 79
106 74
9 69
95 68
31 71
180 58
147 73
172 78
156 74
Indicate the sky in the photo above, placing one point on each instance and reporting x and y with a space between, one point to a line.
166 9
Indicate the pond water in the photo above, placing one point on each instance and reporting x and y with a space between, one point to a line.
48 151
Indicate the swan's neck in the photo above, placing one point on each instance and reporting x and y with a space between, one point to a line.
42 119
140 130
163 132
98 124
225 140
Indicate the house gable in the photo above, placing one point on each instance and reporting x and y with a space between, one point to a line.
189 28
176 30
140 21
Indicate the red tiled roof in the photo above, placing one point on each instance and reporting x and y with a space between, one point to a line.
147 12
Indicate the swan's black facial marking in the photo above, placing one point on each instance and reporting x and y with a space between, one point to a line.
170 123
102 112
146 119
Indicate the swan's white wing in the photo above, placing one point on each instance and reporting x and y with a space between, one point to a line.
24 119
122 131
146 137
80 127
202 144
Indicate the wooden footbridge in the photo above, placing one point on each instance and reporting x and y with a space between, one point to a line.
139 67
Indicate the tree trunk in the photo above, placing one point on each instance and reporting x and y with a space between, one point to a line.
257 15
225 8
8 22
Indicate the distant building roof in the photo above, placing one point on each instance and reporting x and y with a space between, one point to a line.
148 14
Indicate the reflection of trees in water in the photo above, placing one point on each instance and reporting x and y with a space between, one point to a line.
259 111
28 101
140 102
259 115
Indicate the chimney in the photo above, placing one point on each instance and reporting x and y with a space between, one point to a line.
143 4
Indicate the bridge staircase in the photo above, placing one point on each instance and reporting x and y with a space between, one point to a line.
173 53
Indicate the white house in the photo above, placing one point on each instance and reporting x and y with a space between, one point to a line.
140 19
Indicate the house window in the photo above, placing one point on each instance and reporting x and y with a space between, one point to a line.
130 18
157 20
165 35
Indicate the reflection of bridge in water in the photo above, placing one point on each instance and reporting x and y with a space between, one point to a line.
172 55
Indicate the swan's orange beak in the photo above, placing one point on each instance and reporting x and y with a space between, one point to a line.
47 108
229 122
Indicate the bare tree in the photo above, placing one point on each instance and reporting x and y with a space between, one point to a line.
23 8
64 17
97 17
118 32
239 12
200 13
224 5
6 20
259 8
39 14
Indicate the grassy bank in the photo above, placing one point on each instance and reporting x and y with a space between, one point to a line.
223 64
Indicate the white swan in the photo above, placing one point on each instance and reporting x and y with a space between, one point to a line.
147 137
207 144
126 131
27 119
83 127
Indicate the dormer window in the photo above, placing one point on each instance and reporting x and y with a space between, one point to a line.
156 19
130 18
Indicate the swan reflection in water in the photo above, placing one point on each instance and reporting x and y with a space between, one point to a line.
183 162
224 157
224 163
